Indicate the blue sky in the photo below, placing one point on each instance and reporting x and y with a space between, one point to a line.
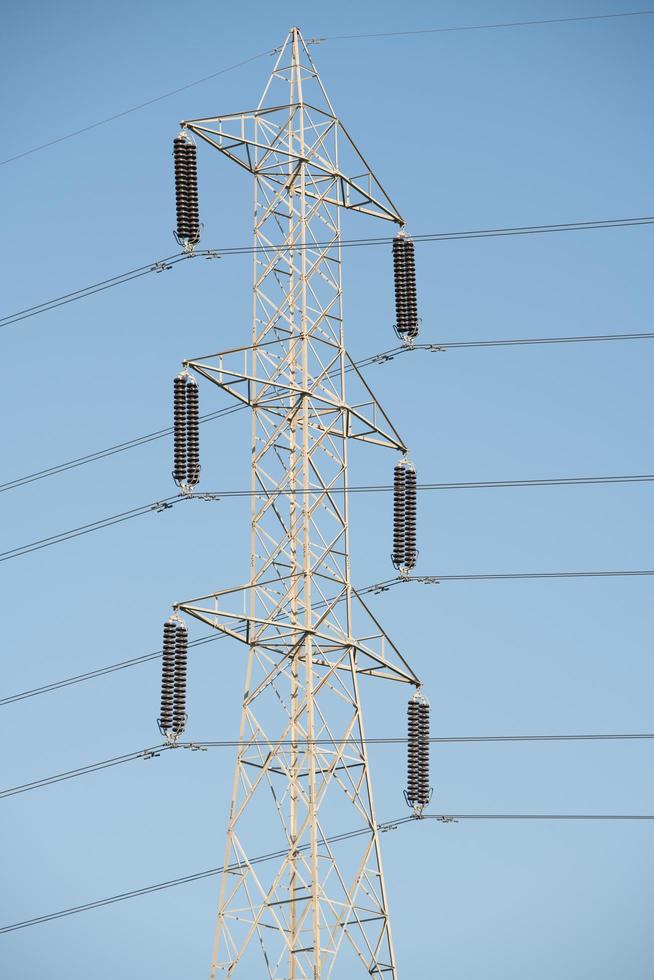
466 130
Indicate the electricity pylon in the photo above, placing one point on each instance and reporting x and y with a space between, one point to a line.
318 908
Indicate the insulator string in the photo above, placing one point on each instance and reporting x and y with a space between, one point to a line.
400 285
172 718
423 746
186 432
179 696
418 791
167 676
186 191
405 487
179 430
192 433
410 504
410 288
404 274
399 522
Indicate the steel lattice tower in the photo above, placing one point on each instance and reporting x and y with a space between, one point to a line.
319 909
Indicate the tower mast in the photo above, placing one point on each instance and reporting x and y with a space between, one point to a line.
318 908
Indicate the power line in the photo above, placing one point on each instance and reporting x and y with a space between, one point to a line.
135 108
446 236
132 662
506 576
481 27
82 771
333 37
438 740
198 876
470 485
387 826
76 532
99 672
545 482
526 341
193 877
161 264
156 750
157 266
124 664
166 503
109 451
455 817
366 590
382 357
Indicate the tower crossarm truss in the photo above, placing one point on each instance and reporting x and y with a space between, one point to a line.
256 140
375 653
301 772
235 372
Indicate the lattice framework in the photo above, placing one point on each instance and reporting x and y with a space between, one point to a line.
302 774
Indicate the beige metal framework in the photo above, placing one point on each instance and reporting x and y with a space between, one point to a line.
320 910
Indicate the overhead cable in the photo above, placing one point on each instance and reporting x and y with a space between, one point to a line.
76 532
527 341
109 451
482 27
300 743
160 265
82 771
317 40
167 263
198 876
135 108
375 589
565 481
505 576
390 825
434 740
99 672
382 357
166 503
446 236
